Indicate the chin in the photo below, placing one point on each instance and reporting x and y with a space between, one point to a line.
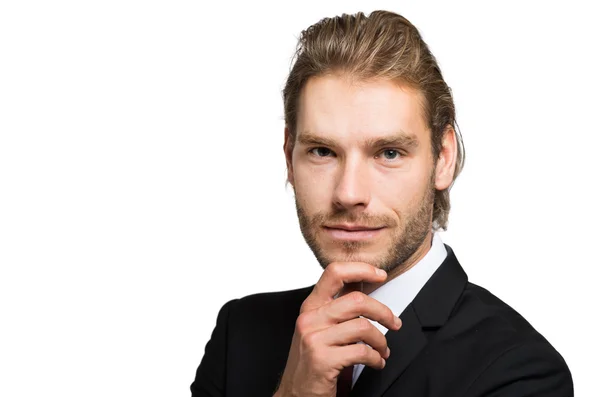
343 255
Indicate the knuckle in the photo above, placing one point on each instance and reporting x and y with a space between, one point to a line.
385 313
304 306
302 323
333 268
309 341
363 351
363 324
333 273
357 297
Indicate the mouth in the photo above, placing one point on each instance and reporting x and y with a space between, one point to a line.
352 232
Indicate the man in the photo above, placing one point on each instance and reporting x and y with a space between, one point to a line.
372 152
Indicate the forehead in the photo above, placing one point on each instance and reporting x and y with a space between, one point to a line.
336 106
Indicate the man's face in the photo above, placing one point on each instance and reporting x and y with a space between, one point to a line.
362 171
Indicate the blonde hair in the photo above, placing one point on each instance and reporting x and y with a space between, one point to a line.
381 45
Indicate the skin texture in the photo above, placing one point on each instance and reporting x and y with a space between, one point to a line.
361 156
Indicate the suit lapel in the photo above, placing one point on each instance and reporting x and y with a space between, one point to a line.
404 344
429 311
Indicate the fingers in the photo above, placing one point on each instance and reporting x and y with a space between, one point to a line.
357 304
335 347
359 353
348 307
329 329
353 331
334 277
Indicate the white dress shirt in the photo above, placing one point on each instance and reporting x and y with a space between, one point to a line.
399 292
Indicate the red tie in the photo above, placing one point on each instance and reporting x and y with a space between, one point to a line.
344 382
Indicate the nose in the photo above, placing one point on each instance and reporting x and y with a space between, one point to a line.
352 188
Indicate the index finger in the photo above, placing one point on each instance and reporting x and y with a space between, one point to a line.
335 276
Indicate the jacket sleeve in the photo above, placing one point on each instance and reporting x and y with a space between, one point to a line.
210 376
534 369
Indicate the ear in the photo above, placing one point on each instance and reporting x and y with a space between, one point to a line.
288 147
446 162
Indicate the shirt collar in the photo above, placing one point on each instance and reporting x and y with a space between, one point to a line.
399 292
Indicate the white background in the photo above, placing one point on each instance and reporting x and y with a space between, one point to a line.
142 177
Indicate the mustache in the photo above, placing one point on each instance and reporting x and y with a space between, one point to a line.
363 219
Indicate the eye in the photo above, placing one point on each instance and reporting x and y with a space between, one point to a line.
391 154
320 151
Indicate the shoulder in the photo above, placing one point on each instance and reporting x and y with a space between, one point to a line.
484 312
273 301
265 308
512 357
533 367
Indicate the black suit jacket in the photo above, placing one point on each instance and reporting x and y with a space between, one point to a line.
457 339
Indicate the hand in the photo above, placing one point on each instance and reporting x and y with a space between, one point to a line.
327 330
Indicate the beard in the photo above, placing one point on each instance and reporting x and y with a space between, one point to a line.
407 236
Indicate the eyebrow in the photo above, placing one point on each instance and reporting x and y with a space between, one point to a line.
401 139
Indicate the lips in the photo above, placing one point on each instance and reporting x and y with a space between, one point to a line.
352 232
352 228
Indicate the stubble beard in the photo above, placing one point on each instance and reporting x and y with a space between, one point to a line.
406 239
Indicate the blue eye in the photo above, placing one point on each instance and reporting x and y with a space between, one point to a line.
321 151
391 154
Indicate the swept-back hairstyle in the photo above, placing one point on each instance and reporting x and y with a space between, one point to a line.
381 45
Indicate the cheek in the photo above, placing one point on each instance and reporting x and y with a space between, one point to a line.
312 189
402 191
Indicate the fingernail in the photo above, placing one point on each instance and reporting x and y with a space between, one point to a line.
387 353
382 363
381 272
397 322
